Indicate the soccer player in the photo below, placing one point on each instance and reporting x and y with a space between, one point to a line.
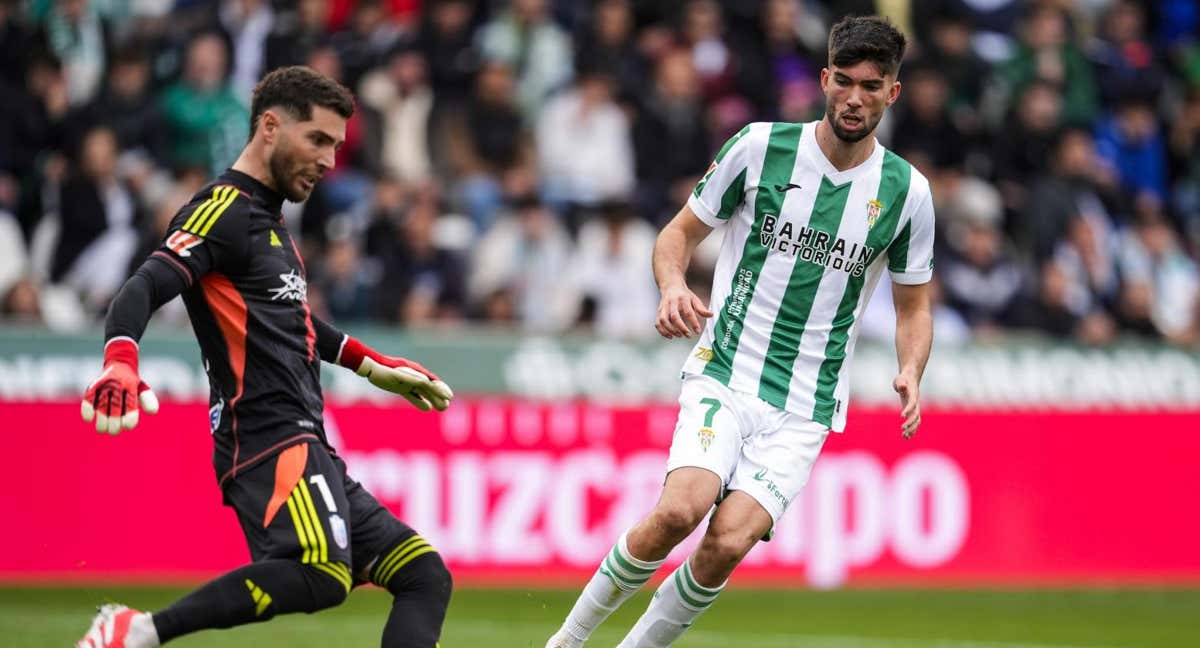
813 213
313 532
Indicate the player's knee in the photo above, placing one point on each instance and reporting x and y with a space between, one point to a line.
675 521
426 576
413 566
727 545
329 583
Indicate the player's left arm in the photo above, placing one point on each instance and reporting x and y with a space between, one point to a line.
910 263
415 383
914 337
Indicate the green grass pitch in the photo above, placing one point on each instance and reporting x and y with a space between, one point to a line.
520 618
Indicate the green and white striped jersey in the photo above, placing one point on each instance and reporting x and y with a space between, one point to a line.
804 247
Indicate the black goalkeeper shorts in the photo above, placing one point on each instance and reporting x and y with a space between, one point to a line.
301 505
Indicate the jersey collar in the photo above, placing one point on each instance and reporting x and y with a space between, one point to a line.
269 197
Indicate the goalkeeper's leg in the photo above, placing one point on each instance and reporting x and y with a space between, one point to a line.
420 585
256 592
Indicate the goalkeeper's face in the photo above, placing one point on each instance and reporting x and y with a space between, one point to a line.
304 151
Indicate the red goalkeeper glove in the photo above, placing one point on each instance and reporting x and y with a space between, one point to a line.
114 398
415 383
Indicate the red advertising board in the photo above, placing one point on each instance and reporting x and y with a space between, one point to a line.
516 491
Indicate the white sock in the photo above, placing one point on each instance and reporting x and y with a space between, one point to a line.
674 608
142 633
619 576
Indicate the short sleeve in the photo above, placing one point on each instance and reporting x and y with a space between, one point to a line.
207 234
910 256
723 186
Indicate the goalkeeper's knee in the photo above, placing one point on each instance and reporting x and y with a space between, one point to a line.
328 585
414 569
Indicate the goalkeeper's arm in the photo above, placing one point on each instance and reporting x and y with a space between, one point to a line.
415 383
115 398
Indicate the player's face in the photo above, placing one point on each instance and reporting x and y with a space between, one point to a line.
304 151
855 98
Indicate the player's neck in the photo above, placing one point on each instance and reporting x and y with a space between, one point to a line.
840 153
255 165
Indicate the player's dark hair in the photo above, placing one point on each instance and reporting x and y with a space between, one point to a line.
867 38
297 89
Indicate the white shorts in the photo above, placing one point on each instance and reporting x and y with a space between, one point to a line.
754 447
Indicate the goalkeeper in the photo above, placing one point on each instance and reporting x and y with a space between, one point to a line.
313 532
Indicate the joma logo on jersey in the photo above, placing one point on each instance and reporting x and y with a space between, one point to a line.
294 288
815 246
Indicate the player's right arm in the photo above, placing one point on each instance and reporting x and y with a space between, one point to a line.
205 235
679 309
715 199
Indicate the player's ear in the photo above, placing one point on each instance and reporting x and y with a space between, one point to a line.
268 124
824 78
893 93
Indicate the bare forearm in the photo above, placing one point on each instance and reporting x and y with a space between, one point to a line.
672 253
914 337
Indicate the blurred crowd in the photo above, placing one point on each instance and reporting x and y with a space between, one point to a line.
511 161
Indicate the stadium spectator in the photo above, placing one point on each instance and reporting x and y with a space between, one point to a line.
923 122
127 105
524 38
1078 184
1122 55
583 144
399 92
207 122
422 283
608 41
780 71
248 24
295 33
1047 53
1163 281
447 41
78 36
982 281
671 139
99 216
363 44
1021 149
518 266
1184 149
1131 141
612 273
487 142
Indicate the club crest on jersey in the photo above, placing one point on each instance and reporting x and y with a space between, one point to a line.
339 530
706 437
294 288
874 208
214 415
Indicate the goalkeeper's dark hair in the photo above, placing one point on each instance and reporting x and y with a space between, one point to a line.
296 89
867 38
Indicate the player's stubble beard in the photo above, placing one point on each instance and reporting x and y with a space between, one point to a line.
284 171
869 124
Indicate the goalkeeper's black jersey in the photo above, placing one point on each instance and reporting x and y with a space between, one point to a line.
246 297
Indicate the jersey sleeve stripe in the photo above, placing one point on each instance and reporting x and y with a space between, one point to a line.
202 208
220 209
203 211
183 270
